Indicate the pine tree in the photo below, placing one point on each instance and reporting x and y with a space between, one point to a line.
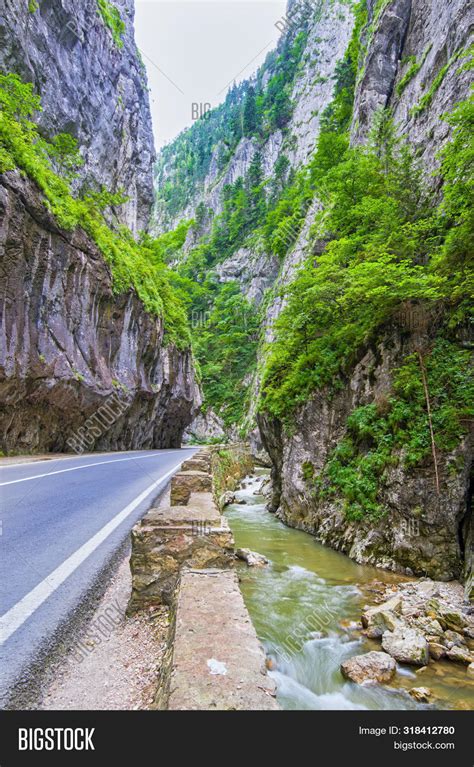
250 113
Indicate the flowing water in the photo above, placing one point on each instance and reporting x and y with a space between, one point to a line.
297 604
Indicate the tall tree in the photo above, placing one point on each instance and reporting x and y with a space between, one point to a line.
250 113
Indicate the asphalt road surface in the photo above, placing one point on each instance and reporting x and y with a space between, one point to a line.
61 522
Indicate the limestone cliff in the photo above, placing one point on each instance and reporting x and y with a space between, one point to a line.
91 86
70 346
426 531
410 66
81 365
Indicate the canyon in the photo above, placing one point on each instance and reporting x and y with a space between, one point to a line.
409 65
71 339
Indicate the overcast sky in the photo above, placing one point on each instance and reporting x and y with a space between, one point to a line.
195 49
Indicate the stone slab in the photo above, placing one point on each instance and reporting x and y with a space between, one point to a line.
218 662
185 483
182 516
197 463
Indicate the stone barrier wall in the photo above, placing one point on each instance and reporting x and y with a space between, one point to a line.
191 533
183 556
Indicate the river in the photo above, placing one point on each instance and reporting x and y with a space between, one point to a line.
304 606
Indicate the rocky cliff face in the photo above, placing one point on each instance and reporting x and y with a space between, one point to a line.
80 368
424 531
91 87
411 64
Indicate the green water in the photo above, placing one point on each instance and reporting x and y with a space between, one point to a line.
297 604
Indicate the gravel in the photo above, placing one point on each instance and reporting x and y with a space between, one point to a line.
114 661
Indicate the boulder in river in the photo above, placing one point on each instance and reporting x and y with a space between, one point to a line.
406 645
460 655
370 668
251 557
452 639
447 615
437 650
421 694
377 620
226 498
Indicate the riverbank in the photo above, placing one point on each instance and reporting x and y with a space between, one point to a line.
306 606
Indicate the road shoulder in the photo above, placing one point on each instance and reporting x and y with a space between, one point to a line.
114 660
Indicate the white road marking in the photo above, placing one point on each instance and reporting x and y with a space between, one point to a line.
19 613
59 458
84 466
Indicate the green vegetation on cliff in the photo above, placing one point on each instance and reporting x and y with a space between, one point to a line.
392 260
397 429
226 347
251 111
112 20
225 326
413 69
386 246
51 164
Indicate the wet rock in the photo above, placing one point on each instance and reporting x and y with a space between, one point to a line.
226 499
437 651
251 557
377 620
259 488
348 625
451 619
373 667
460 655
470 669
381 622
406 645
452 638
428 626
421 694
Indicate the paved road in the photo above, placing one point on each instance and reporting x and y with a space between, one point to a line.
61 522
